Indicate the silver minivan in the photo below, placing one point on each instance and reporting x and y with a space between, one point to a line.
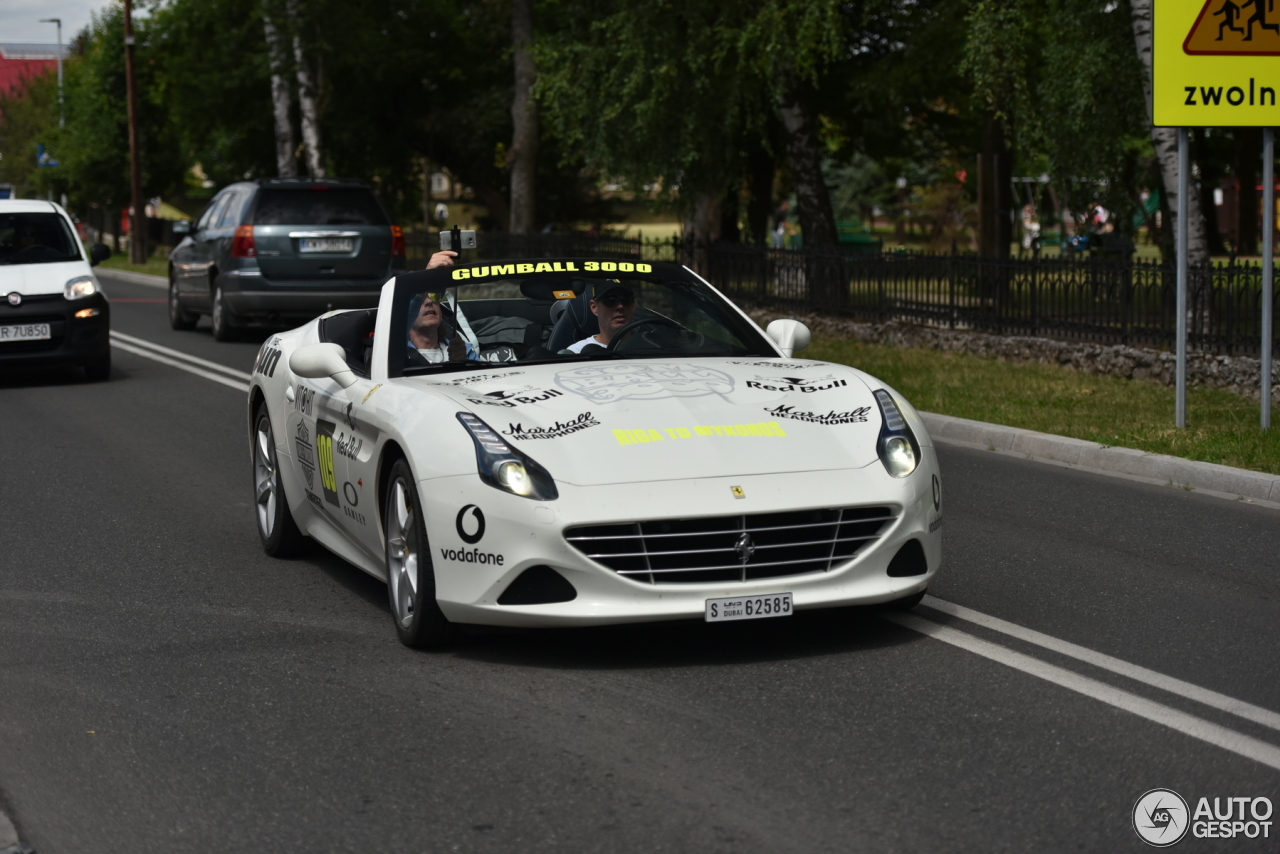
279 251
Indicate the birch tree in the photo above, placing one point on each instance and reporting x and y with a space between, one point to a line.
1166 145
306 100
281 101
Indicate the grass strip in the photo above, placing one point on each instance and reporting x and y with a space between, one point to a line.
1222 427
157 265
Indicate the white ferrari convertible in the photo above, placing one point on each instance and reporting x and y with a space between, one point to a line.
578 442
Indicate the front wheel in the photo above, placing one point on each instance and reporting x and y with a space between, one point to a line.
223 319
179 319
277 530
411 581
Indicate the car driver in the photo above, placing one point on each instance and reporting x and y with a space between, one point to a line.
614 307
433 338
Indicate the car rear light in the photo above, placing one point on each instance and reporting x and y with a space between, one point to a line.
242 244
397 242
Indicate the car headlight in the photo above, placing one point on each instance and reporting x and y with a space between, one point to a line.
80 287
506 468
897 445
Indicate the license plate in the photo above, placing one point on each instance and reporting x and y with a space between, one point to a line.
749 607
326 244
27 332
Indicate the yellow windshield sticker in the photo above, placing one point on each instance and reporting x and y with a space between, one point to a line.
492 270
563 294
713 431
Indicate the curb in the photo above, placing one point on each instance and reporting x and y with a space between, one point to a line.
133 279
1209 478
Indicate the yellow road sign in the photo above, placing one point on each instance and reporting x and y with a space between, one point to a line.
1216 63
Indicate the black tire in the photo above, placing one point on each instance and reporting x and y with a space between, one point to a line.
99 371
906 603
276 529
411 580
224 322
178 317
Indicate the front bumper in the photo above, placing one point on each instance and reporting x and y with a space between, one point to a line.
527 533
74 341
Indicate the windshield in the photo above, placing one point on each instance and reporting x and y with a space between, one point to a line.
485 315
36 238
318 206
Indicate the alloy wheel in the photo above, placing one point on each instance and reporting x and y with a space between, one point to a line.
265 484
402 554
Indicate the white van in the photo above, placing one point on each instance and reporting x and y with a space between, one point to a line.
53 312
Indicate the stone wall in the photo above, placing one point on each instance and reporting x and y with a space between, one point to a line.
1239 374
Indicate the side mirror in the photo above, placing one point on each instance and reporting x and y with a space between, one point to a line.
322 360
182 226
98 253
791 336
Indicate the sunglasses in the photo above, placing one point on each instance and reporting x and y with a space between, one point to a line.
616 300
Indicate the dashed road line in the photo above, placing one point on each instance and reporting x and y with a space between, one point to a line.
1190 725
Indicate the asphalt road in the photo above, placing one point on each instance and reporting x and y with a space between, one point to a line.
166 687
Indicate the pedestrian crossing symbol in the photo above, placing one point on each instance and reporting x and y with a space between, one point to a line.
1215 63
1230 28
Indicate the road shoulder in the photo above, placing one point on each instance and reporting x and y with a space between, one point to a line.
1207 478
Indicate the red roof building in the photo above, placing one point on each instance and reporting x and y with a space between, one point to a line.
21 62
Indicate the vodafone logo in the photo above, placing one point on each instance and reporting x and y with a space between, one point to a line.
475 523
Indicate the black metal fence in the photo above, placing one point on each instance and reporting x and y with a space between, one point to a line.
1106 300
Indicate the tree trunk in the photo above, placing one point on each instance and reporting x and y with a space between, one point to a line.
804 154
281 102
761 167
995 191
1248 154
1166 145
307 102
523 156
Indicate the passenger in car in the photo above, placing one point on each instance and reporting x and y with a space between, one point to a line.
432 337
614 307
443 258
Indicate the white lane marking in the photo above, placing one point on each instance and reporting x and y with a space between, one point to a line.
209 375
1222 702
178 354
1211 733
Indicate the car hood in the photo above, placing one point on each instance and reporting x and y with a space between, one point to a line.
629 421
34 279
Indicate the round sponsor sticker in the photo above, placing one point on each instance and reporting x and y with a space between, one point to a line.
1161 818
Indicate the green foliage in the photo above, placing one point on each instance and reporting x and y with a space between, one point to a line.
1064 75
29 118
672 93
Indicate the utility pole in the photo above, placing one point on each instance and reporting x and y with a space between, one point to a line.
62 114
137 239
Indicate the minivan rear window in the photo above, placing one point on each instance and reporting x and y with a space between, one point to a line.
36 238
352 206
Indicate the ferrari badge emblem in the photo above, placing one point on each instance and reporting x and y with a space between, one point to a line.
738 492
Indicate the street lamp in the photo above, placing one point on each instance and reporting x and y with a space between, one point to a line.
62 119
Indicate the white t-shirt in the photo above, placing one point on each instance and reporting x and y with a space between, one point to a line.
577 346
435 356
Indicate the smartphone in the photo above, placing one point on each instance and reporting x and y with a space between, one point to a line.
466 239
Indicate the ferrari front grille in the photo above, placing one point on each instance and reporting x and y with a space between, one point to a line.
733 548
